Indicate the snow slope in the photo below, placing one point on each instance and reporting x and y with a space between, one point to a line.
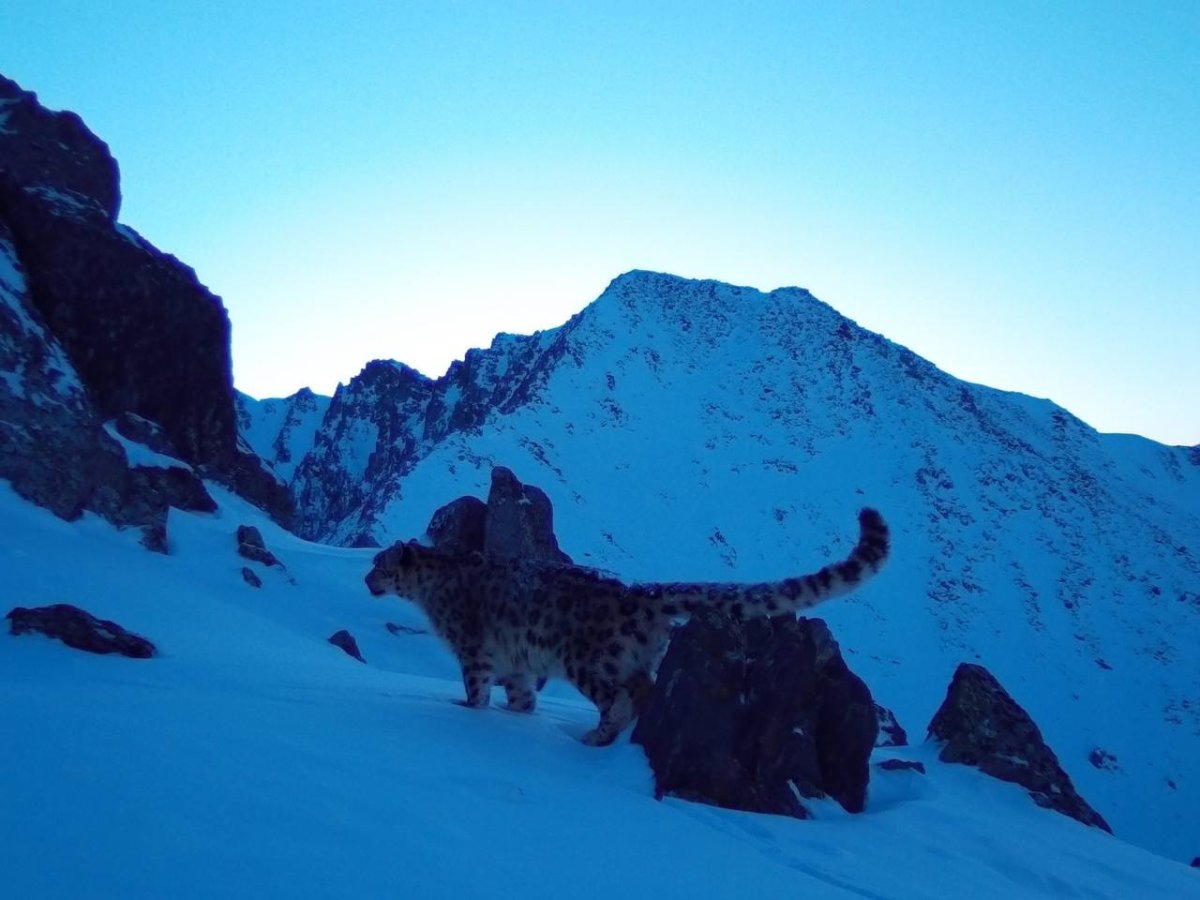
693 430
253 759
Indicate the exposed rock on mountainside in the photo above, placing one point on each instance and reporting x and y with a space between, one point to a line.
981 725
98 323
755 715
251 546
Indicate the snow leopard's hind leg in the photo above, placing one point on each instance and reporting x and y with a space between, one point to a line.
616 711
521 690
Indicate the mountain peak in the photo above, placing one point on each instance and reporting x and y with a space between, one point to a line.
688 429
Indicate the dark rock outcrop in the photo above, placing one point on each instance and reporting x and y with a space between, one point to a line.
891 733
981 725
345 640
107 318
516 523
55 152
79 629
154 537
250 544
250 577
520 521
459 526
755 715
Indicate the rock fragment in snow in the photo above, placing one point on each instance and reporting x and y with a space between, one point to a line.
981 725
79 629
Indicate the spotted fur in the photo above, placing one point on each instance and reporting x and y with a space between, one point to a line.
517 624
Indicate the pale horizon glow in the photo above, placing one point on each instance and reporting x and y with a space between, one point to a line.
1011 191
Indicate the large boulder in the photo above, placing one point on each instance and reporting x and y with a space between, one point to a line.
520 521
980 725
459 526
755 715
79 629
516 523
250 544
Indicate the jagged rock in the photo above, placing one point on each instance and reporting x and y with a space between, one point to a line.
459 526
981 725
517 522
138 329
1196 863
345 640
55 151
750 715
250 544
891 734
520 521
249 576
900 765
79 629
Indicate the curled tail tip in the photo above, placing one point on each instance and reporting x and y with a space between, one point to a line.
874 542
870 519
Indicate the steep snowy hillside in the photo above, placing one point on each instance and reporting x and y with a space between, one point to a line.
250 758
695 430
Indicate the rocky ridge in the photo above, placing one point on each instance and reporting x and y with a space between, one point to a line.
96 324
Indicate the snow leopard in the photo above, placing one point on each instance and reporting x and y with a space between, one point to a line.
517 623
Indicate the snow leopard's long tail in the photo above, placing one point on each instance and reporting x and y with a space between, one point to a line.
769 598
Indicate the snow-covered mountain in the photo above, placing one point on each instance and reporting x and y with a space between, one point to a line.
251 759
696 430
281 431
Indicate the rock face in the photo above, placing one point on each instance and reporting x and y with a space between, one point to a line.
982 726
100 324
756 715
79 629
517 522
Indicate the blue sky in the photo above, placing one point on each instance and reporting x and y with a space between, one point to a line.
1012 190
